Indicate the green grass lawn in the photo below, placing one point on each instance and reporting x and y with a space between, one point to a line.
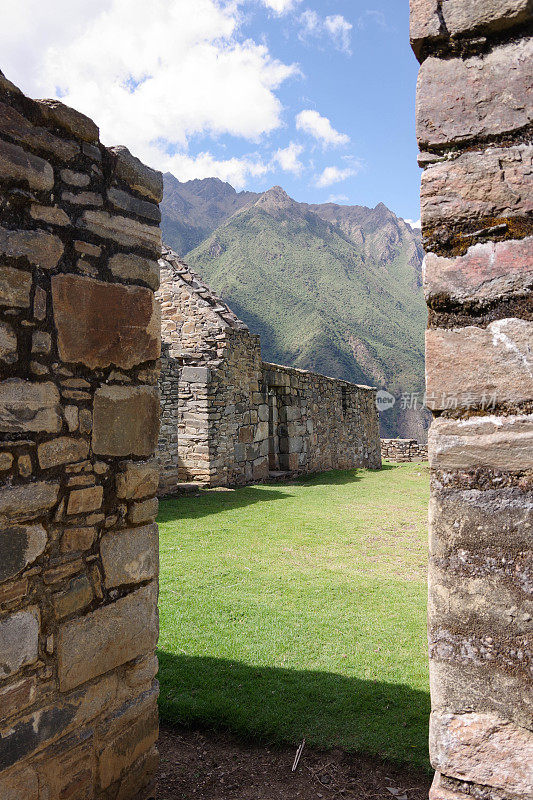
299 610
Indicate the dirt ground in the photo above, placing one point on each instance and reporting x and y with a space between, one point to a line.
218 766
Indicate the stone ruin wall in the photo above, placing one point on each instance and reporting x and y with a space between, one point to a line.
79 407
219 399
474 107
321 423
402 450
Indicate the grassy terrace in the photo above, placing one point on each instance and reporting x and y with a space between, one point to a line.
299 610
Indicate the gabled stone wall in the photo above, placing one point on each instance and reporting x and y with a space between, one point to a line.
79 407
474 125
228 418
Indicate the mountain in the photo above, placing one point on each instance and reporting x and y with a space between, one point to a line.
335 289
191 211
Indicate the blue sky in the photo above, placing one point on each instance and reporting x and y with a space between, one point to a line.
367 93
314 95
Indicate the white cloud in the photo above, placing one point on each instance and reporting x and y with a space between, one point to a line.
342 199
288 158
416 224
281 6
333 175
234 170
152 81
320 128
336 27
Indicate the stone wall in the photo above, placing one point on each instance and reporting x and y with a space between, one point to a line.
474 115
237 419
319 423
400 450
79 406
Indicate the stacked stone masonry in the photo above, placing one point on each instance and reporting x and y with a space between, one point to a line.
228 418
474 125
79 407
400 450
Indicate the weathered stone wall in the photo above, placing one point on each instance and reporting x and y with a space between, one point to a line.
474 122
79 406
230 412
400 450
320 423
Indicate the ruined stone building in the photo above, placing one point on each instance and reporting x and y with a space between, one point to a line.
79 348
228 418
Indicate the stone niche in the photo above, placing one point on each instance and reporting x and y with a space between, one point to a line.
474 120
228 418
79 412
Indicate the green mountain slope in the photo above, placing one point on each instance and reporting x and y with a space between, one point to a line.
329 288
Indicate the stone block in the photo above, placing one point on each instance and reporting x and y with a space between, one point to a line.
99 324
461 687
15 697
130 556
63 450
77 595
8 344
195 375
31 733
469 598
491 184
490 365
78 539
18 127
463 99
25 168
133 731
489 442
26 501
29 407
137 480
483 749
81 501
486 272
460 18
461 524
136 175
19 640
123 230
261 431
15 287
143 511
107 637
126 420
20 545
68 119
39 247
19 784
130 267
124 201
6 461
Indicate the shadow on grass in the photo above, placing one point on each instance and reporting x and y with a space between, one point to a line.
211 501
278 705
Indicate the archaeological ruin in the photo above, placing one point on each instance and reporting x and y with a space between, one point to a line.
228 418
79 417
79 407
401 450
473 117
